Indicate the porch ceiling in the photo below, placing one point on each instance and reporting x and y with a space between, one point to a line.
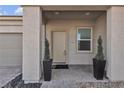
90 15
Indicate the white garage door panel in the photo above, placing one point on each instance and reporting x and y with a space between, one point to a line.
10 49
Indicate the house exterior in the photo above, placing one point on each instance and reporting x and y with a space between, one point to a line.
72 32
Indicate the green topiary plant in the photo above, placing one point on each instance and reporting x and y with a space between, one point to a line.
99 55
47 63
47 52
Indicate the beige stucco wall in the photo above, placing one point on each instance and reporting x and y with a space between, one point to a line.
100 30
10 29
10 24
32 44
10 41
70 26
115 43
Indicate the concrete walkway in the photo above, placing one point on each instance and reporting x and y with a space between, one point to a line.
70 78
8 73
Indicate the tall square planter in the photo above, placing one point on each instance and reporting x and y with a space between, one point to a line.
47 66
98 68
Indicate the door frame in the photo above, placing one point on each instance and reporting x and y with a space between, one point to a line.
66 44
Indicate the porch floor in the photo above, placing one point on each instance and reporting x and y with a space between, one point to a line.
70 77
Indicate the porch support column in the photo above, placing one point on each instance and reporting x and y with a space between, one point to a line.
32 22
115 43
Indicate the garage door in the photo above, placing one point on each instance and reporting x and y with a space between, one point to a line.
10 49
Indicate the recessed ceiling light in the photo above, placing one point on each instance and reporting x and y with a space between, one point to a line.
87 13
56 13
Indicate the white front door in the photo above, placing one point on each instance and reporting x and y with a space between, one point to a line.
59 47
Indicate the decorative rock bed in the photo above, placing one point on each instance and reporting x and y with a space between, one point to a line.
119 84
74 84
17 82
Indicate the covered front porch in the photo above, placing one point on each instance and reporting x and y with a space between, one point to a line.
101 20
72 37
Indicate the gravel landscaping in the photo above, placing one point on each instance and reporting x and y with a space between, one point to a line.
17 82
119 84
74 84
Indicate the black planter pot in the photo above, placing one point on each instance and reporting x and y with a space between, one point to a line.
47 66
98 68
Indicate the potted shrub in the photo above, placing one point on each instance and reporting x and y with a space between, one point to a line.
47 63
99 61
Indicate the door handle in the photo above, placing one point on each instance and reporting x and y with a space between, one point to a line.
64 52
